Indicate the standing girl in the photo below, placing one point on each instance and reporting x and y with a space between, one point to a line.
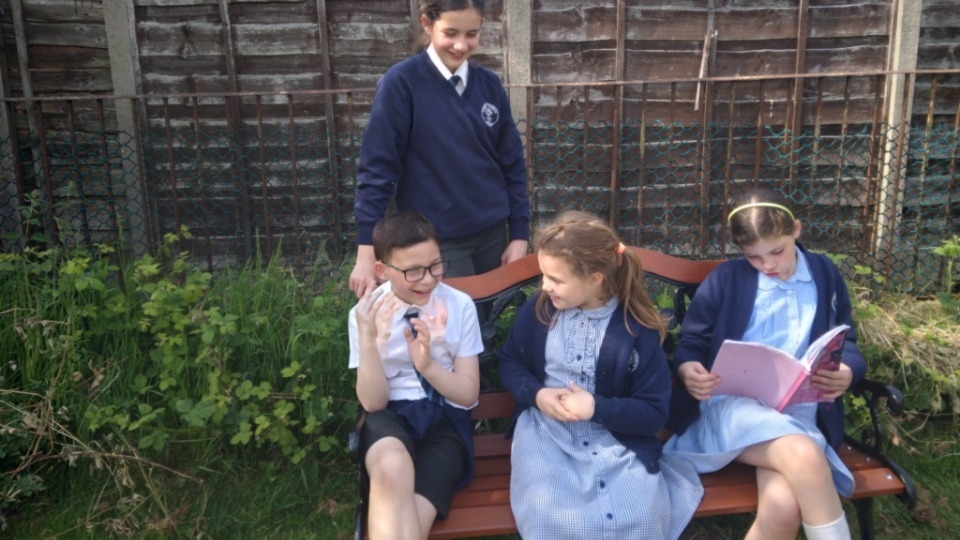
441 140
585 364
784 296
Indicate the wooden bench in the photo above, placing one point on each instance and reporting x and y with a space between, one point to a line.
482 508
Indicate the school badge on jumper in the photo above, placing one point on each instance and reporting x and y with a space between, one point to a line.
490 114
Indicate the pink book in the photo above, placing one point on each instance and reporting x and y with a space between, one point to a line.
772 376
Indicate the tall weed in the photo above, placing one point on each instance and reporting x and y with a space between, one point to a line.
147 365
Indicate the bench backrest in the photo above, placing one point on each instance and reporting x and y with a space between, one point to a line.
503 287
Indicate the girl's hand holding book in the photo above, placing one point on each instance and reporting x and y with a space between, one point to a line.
834 382
698 381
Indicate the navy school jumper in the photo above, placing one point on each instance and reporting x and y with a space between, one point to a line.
456 159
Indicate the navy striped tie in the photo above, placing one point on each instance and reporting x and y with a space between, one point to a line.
455 80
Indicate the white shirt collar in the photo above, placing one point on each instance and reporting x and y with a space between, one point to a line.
462 71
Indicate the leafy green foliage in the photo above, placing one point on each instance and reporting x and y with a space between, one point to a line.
143 357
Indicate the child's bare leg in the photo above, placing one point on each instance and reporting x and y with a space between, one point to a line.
805 468
427 514
392 512
778 513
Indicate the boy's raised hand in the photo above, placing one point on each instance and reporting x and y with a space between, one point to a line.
367 308
698 381
375 312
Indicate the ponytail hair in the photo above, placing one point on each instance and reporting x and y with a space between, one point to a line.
589 245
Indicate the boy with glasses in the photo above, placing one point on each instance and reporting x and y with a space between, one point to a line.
414 343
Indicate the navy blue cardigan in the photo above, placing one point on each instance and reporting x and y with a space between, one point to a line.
632 401
721 310
456 159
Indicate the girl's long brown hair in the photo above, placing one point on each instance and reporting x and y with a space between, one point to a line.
589 245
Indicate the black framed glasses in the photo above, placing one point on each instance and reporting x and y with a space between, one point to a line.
413 275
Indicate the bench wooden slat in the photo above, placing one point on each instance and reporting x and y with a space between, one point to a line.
490 445
476 521
676 270
499 464
497 280
493 405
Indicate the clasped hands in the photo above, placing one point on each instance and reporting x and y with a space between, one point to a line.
568 404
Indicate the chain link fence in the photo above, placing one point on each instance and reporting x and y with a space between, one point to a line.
883 196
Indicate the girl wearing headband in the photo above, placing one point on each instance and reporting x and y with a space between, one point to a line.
584 363
784 296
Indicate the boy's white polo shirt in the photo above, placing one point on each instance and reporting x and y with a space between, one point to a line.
460 339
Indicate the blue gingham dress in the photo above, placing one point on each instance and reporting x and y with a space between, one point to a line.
575 480
729 424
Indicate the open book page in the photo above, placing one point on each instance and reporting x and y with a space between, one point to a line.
773 376
756 370
824 353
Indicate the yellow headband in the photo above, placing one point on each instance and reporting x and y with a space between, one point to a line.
756 204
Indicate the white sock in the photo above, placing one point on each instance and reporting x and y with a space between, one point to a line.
838 530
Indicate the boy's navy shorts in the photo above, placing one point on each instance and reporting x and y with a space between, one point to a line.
439 460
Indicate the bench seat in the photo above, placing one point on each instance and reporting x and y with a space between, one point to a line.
482 508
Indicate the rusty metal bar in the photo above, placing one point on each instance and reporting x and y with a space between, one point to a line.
615 154
171 164
558 117
333 161
706 164
198 182
924 163
263 177
758 152
844 123
586 128
295 182
51 225
630 82
15 154
641 165
728 159
670 132
878 143
619 73
105 162
815 159
948 206
78 179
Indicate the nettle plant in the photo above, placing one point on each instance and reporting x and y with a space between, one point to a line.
215 369
950 251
